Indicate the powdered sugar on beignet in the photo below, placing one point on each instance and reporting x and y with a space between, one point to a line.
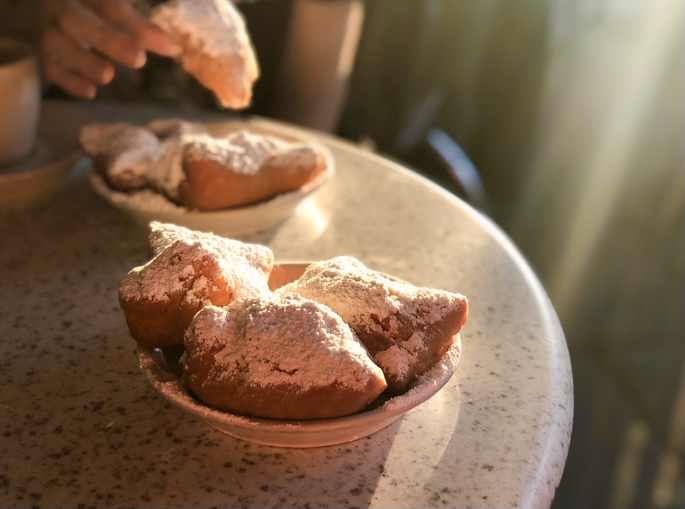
165 174
405 328
285 357
243 169
121 152
251 264
189 270
160 298
244 153
194 169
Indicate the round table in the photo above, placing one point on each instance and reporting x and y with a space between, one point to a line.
80 426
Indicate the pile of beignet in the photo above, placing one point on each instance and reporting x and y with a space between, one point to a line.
322 346
192 168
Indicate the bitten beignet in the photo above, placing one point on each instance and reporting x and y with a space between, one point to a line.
190 270
405 328
281 358
216 48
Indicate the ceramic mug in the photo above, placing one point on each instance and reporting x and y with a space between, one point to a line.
19 100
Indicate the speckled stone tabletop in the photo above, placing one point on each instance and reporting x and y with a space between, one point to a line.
81 427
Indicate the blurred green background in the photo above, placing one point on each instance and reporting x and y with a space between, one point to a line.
573 114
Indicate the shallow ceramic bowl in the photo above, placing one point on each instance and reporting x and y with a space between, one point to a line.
52 158
161 369
147 205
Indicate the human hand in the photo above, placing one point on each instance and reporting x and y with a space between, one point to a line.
88 37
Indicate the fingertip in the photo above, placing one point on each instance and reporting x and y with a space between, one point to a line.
81 89
70 82
139 60
158 41
167 47
170 49
107 75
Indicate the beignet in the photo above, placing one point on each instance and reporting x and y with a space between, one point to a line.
194 169
283 357
160 298
190 270
255 261
215 46
405 328
121 153
243 169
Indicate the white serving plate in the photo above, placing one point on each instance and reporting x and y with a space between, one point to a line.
161 369
146 205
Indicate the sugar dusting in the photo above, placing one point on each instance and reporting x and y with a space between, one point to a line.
429 383
146 165
128 150
213 26
144 200
176 270
165 174
216 46
369 301
245 152
281 340
251 264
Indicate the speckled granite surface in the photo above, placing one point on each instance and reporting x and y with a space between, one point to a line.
80 426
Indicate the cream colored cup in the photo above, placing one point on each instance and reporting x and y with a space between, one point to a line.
19 100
